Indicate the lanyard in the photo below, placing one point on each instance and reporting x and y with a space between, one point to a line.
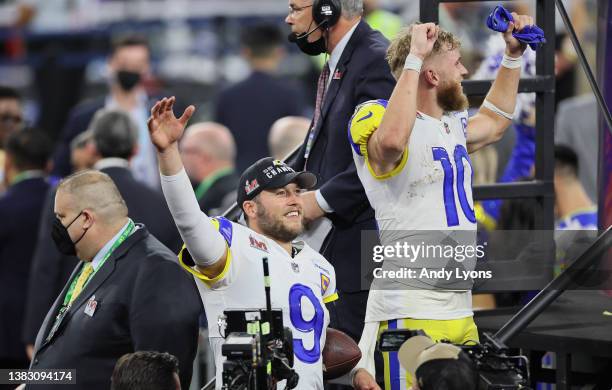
27 175
205 184
64 309
125 234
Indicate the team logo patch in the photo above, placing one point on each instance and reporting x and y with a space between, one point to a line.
324 283
250 186
446 128
258 244
464 126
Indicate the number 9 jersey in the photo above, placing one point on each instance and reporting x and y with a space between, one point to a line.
299 285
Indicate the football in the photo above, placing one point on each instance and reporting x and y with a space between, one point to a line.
340 354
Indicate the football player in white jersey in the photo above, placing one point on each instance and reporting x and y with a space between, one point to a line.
412 157
228 256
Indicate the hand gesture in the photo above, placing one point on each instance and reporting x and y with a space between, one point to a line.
165 129
514 48
423 38
364 381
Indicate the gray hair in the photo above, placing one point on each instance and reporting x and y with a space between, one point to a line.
114 133
352 9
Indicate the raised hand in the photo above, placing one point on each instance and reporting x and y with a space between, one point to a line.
423 38
164 128
514 48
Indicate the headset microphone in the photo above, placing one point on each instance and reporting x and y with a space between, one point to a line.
293 37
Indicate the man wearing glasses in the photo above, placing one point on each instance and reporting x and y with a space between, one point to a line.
355 71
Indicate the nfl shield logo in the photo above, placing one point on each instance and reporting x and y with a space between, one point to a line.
295 267
446 128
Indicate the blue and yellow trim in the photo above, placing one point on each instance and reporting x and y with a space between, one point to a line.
192 270
224 226
331 298
394 172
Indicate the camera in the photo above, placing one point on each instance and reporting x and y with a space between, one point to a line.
495 369
257 347
258 350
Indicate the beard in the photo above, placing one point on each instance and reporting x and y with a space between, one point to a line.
275 227
450 97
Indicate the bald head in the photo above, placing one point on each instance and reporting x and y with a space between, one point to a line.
207 147
286 134
95 191
212 139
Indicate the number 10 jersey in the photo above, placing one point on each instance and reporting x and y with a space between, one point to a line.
429 190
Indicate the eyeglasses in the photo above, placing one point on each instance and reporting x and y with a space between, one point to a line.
294 10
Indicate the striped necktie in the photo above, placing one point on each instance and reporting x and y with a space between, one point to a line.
321 89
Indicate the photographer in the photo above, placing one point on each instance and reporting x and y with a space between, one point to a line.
228 256
437 366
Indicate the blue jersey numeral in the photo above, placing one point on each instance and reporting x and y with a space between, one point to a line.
315 324
440 154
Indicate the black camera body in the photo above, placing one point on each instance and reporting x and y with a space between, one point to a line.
496 370
258 350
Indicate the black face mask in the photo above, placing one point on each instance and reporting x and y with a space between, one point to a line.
311 48
62 239
127 80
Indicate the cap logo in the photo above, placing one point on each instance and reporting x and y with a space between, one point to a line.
275 169
251 186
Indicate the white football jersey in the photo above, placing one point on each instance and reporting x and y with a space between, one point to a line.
431 189
300 286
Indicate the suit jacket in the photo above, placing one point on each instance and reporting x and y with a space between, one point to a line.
250 107
145 301
51 269
220 195
362 74
20 210
78 121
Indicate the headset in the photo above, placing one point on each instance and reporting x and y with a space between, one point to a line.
326 13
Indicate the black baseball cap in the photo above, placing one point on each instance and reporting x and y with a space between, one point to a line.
269 173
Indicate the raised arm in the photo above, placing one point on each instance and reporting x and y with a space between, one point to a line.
495 114
203 241
388 143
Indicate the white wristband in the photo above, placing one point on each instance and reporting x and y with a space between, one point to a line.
512 62
493 107
413 63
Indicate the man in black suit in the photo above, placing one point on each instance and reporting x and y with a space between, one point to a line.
114 139
208 152
356 71
126 294
11 119
27 153
251 106
130 69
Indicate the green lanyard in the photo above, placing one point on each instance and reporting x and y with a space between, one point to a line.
205 184
27 175
125 234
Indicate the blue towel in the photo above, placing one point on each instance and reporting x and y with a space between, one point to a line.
532 35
